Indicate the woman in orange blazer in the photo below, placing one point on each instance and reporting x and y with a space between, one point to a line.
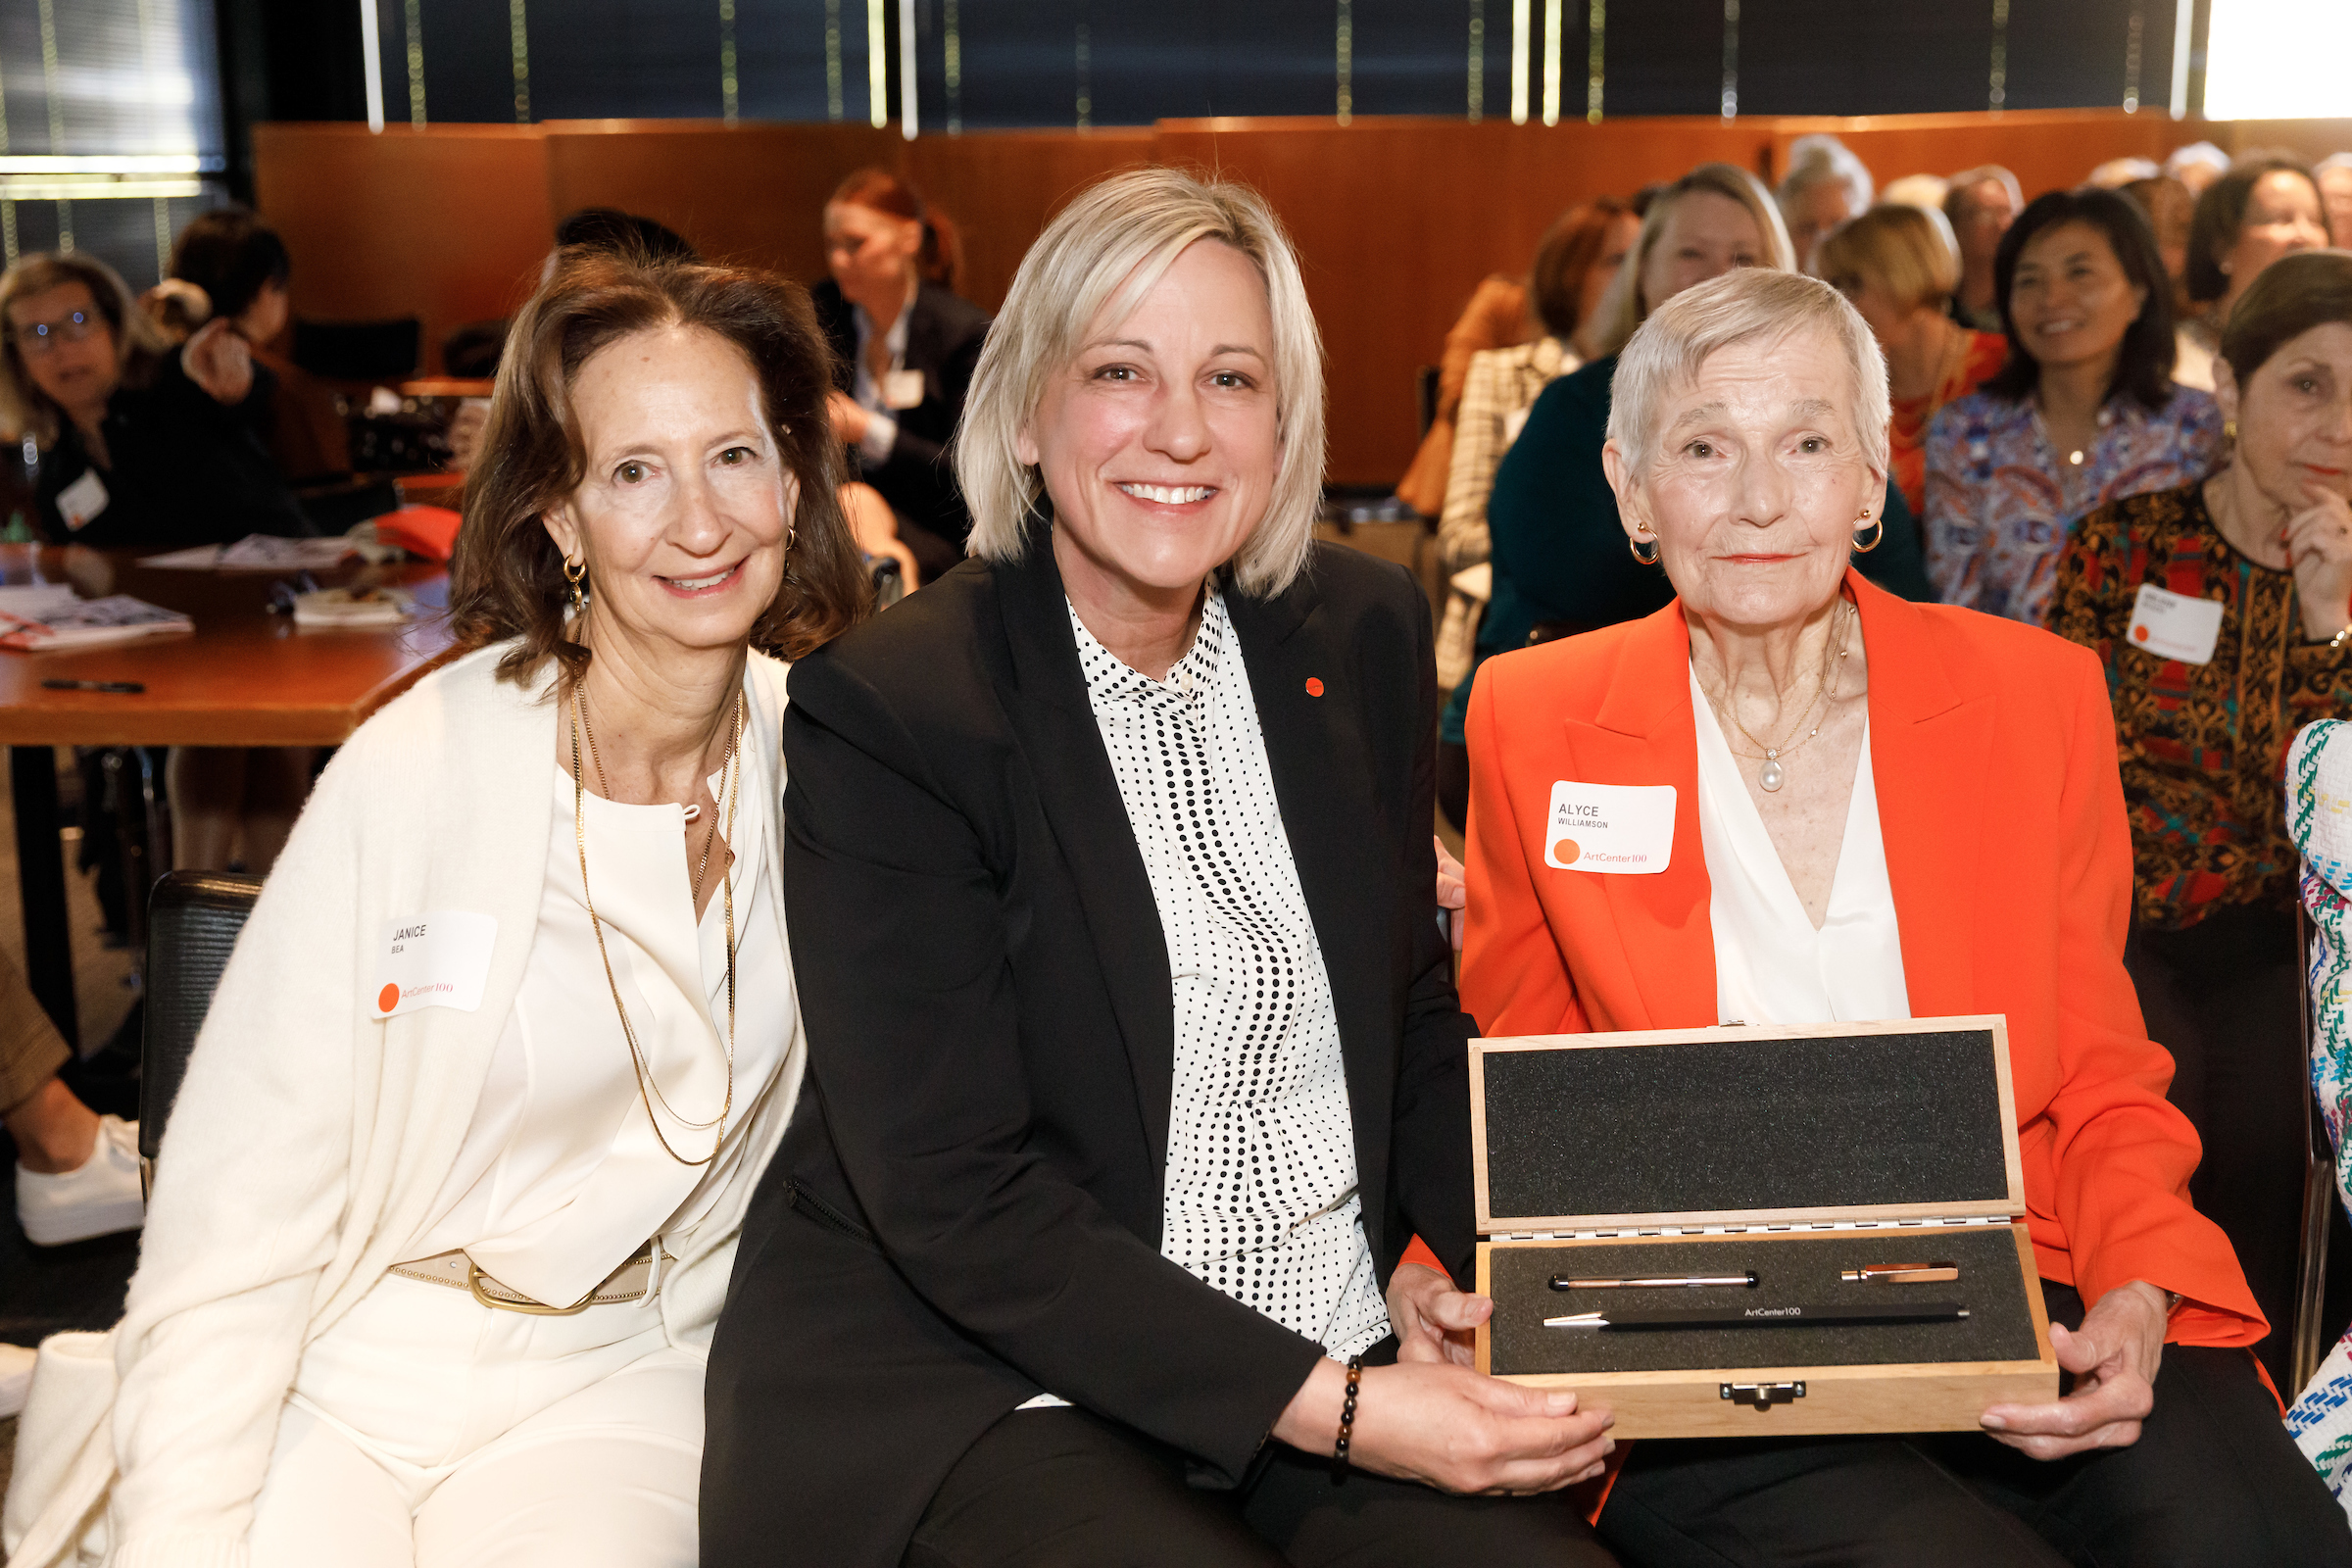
1879 809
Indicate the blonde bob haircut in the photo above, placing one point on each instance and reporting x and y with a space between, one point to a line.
1749 306
1904 250
1622 307
1093 265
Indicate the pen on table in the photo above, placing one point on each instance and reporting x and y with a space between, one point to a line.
131 687
1764 1317
1899 1273
1631 1282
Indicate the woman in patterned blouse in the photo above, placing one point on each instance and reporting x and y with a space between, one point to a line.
2085 413
2223 611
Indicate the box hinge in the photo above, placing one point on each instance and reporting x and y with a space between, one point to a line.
1762 1395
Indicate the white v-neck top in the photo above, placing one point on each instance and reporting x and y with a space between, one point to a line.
1772 967
560 1177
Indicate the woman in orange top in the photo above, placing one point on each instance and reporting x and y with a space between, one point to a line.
1992 873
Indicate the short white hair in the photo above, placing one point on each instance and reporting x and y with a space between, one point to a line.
1097 260
2197 153
2117 172
2332 161
1821 159
1968 179
1750 305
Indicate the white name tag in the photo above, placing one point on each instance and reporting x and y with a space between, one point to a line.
1615 829
437 959
2173 625
903 389
83 500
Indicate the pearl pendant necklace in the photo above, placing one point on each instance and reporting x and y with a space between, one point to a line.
1772 775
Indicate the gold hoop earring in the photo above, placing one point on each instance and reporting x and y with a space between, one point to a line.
1635 545
1877 535
2229 429
575 580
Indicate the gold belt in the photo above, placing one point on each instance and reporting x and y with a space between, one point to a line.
633 1281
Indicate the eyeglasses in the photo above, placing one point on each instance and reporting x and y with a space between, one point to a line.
37 339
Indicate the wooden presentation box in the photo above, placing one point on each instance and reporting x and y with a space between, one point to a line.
1794 1152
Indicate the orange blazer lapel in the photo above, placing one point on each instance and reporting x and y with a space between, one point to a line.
1643 733
1931 743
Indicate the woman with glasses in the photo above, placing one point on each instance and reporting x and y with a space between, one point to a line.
138 446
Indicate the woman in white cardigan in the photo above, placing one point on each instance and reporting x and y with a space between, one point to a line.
449 1198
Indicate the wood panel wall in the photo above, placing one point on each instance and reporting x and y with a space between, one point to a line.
1396 219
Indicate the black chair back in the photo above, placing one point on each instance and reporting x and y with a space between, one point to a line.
359 351
193 918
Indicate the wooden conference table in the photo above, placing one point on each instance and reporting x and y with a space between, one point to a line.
244 677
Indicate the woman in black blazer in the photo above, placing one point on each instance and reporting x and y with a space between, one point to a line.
905 347
1134 1060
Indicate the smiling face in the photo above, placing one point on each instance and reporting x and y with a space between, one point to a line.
2294 417
684 510
2284 215
871 254
1757 481
2070 297
77 373
1159 442
1705 236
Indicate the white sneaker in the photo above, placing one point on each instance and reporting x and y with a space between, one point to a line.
100 1197
16 1378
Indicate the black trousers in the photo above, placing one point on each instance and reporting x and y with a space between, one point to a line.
1063 1488
2224 998
2213 1483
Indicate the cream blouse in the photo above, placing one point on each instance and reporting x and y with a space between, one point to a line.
560 1179
1772 967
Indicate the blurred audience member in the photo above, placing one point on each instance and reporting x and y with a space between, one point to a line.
2265 207
907 347
144 447
139 445
1926 192
1497 316
1824 186
1574 265
2204 715
2198 166
77 1172
2335 174
1899 267
1981 204
2117 172
2085 412
242 266
2169 208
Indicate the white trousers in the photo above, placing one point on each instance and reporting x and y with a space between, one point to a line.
428 1430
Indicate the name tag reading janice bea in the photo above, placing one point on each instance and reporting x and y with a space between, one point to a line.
1614 829
435 959
2173 625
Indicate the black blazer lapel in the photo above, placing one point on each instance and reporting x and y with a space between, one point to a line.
1322 768
1080 797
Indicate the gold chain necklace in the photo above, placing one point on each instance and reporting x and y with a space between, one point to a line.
709 833
1772 775
648 1089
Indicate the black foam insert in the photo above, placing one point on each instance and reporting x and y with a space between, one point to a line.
1753 1123
1791 1267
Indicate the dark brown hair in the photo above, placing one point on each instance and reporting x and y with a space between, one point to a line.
230 254
507 575
2220 216
2144 366
2287 299
1555 283
941 256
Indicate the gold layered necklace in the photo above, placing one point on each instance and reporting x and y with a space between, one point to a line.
649 1090
1772 775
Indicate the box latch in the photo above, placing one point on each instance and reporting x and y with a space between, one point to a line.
1762 1395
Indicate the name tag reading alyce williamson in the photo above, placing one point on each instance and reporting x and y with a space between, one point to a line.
1613 829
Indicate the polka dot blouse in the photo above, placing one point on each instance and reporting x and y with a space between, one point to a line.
1260 1197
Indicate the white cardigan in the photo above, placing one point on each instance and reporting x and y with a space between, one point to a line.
294 1172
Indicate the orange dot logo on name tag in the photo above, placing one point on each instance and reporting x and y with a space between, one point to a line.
2141 632
387 998
1565 851
1314 685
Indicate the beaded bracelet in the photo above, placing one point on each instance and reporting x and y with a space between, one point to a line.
1339 1451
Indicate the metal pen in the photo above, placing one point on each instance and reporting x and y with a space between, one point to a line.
1765 1317
1634 1282
1900 1273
